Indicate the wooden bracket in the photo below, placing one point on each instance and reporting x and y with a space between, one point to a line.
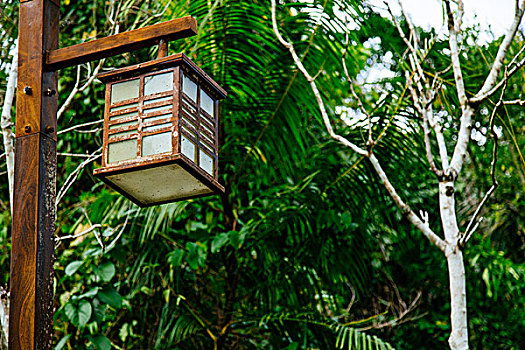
124 42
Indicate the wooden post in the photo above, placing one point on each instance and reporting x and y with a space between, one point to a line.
31 308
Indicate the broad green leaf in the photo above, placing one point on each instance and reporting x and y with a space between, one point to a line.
80 314
72 313
111 297
106 271
99 310
91 293
218 242
72 267
84 312
101 342
236 238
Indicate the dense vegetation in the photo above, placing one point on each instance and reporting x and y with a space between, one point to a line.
305 250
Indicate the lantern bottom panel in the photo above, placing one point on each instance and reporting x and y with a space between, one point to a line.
157 185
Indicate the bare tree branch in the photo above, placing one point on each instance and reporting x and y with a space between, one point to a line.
73 176
83 233
497 66
405 209
454 54
318 97
470 230
80 126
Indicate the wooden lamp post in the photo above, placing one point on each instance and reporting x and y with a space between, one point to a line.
31 284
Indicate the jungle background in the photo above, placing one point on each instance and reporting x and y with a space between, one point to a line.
305 250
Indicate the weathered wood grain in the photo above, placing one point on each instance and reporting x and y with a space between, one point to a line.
124 42
31 305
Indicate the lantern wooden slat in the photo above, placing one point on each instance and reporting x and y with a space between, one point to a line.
161 131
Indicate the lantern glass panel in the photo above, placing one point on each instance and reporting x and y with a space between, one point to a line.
189 88
125 90
206 162
158 117
160 99
156 109
123 150
124 133
131 105
188 148
207 103
156 127
158 83
117 126
156 144
116 117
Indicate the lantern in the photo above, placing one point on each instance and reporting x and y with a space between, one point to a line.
161 131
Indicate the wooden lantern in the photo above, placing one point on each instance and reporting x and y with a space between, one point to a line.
161 131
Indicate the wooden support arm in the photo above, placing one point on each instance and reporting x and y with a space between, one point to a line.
120 43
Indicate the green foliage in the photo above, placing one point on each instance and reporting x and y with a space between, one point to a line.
304 225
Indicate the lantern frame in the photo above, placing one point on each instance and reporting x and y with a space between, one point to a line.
173 112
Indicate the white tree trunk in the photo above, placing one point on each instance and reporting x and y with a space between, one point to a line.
6 124
9 147
458 339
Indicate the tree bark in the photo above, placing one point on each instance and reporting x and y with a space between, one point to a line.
458 339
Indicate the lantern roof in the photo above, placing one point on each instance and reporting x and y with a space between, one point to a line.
179 59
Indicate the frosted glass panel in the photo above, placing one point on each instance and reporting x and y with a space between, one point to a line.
205 127
156 109
189 122
117 126
187 148
189 131
158 83
159 117
189 88
131 105
125 90
132 114
156 144
206 162
207 103
155 100
123 150
122 134
156 127
189 110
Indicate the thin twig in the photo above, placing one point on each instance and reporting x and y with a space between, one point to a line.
83 233
73 176
80 126
468 232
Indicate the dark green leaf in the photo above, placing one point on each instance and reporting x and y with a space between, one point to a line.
101 342
111 297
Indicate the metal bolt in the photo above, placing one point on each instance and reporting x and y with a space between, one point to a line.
50 92
27 128
49 129
28 90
